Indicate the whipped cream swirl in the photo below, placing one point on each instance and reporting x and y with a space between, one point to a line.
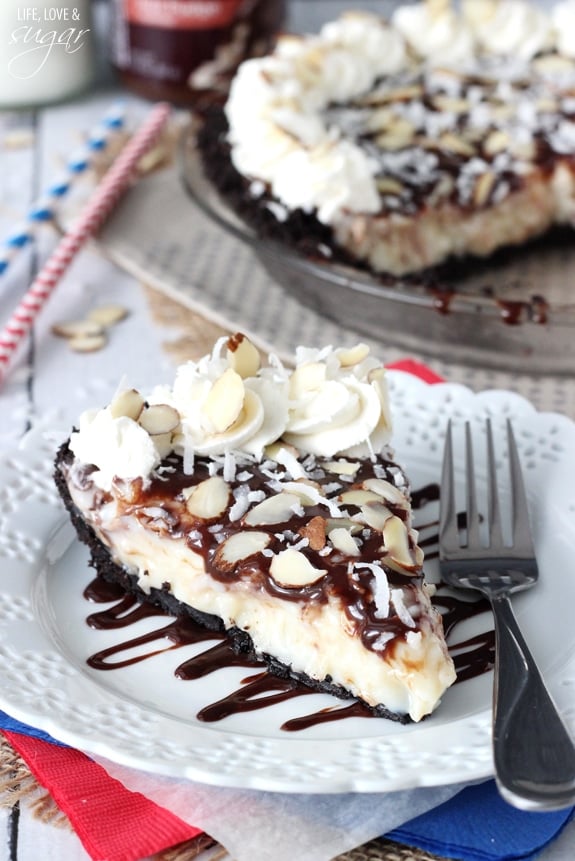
334 402
515 28
435 32
275 112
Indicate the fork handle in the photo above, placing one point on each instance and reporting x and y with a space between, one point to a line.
533 753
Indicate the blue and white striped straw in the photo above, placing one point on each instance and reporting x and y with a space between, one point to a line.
79 162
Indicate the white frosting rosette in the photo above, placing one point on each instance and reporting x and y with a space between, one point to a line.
338 403
277 131
563 18
515 28
118 446
435 31
335 401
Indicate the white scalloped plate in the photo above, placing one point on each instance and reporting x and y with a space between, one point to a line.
142 716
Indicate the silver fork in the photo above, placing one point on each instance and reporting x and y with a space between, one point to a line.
534 756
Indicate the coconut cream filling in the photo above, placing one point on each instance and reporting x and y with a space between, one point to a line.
317 640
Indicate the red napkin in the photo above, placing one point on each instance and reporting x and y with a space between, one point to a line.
113 823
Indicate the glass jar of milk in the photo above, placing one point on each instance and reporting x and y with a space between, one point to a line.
46 51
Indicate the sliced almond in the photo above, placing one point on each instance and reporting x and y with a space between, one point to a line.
387 491
497 141
341 467
152 159
77 329
314 531
553 64
396 545
483 188
290 568
343 540
276 509
163 444
224 401
402 94
107 315
451 105
400 134
379 119
273 450
128 402
209 498
159 419
358 496
389 185
375 515
243 357
87 343
343 522
456 144
353 356
239 547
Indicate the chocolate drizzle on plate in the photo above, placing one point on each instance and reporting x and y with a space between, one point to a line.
472 656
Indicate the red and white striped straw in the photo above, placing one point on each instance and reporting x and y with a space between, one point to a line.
113 185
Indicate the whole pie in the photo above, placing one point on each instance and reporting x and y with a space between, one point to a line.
442 133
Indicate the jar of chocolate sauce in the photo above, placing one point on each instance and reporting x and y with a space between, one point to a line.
186 51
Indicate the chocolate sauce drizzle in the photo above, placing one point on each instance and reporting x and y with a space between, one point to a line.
471 657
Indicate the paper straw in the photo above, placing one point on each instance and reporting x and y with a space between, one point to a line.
114 183
77 163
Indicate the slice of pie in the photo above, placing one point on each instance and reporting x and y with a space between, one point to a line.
265 501
444 133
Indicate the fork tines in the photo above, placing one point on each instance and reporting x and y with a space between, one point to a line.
449 527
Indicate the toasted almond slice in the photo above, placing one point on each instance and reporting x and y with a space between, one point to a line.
107 315
525 150
402 94
209 498
553 64
483 188
456 144
343 540
152 159
128 402
451 105
159 419
278 508
240 546
77 329
353 356
224 401
396 544
497 141
389 185
352 526
87 343
341 467
387 491
379 119
163 444
290 568
546 106
375 515
314 531
243 357
358 496
273 450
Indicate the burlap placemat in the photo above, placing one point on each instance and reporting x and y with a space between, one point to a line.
19 787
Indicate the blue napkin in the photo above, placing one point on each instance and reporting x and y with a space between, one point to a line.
477 825
13 725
